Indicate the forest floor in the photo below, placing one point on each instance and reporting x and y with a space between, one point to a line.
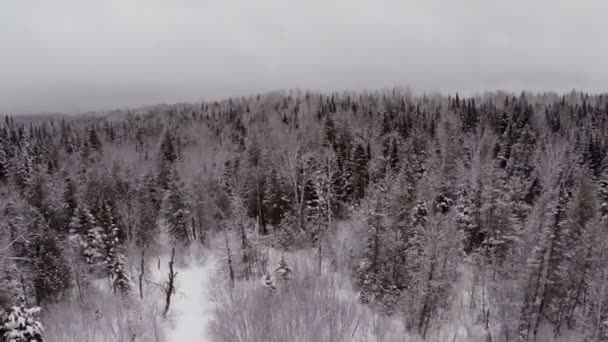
191 307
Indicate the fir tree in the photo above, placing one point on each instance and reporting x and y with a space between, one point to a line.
93 140
52 273
114 260
168 158
276 200
360 172
87 236
70 203
283 271
176 211
496 215
149 203
21 324
369 272
4 166
22 169
603 194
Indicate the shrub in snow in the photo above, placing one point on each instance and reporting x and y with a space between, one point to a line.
268 282
283 271
21 324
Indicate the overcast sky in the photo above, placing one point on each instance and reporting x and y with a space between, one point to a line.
75 55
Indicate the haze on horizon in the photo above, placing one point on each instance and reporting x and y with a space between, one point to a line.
73 56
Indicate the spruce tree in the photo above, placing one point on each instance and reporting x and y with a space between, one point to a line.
114 260
149 203
283 271
369 272
176 211
360 172
87 236
276 200
21 324
603 193
70 203
52 273
168 157
22 169
4 166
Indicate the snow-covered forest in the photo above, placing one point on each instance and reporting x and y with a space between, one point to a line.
304 216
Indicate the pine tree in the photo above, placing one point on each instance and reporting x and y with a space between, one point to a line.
360 172
255 185
467 219
4 166
70 203
21 324
35 259
496 215
343 183
51 270
283 271
544 283
329 132
603 193
168 158
149 203
242 223
176 211
325 200
114 260
22 168
369 272
572 268
87 236
439 255
276 200
93 140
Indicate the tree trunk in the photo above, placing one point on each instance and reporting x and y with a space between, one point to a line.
229 255
262 221
141 273
78 285
170 284
424 319
320 252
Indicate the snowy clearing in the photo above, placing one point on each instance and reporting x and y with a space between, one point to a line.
191 308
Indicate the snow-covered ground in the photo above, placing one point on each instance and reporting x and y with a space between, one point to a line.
191 307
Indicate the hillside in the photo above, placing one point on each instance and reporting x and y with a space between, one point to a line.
303 216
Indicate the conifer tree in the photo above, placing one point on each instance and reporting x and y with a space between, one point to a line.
52 273
168 157
603 193
283 271
496 215
369 272
360 172
21 324
176 211
149 203
70 203
22 168
544 283
114 260
4 166
87 236
276 200
255 184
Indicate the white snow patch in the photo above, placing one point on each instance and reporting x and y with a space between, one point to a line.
191 308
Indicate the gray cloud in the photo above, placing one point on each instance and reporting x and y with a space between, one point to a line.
73 55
